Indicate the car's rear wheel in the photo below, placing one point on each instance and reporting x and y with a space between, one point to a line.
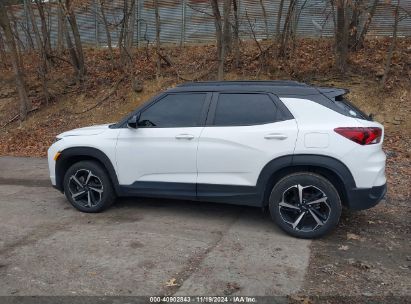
88 187
305 205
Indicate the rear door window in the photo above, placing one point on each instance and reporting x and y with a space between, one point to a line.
235 109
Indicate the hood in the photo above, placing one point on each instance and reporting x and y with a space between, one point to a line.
86 131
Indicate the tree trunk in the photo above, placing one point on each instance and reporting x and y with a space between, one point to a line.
355 22
60 27
41 49
106 27
122 41
227 27
130 26
15 60
44 31
392 46
219 38
2 51
364 31
341 37
14 23
287 30
71 17
236 35
265 18
279 15
39 42
156 10
71 49
77 42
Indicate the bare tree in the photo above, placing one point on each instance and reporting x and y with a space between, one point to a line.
227 35
124 37
279 16
360 41
60 27
42 52
15 60
287 31
219 37
341 37
71 49
107 28
393 44
2 51
156 11
131 23
76 51
223 30
44 30
15 28
265 18
39 42
357 8
236 38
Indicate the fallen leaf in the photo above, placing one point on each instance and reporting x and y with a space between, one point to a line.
343 247
301 299
352 236
171 282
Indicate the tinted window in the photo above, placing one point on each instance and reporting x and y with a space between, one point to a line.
350 109
174 110
244 109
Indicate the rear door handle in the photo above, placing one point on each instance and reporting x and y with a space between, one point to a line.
276 136
185 136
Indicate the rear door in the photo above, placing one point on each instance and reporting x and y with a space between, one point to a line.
243 133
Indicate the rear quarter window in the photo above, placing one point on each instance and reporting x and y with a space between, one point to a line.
351 110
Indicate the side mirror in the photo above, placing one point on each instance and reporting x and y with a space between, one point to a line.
133 121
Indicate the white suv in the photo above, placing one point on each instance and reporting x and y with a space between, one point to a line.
300 150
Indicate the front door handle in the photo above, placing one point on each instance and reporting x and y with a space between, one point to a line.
276 136
185 136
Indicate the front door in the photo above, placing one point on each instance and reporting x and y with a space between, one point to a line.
160 155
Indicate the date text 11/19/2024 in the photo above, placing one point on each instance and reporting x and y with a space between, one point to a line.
203 299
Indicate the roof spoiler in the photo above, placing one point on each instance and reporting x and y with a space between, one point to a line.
331 93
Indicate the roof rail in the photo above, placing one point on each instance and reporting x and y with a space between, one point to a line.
285 83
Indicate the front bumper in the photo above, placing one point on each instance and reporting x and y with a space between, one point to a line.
365 198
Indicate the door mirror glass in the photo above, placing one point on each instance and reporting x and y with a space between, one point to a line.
133 121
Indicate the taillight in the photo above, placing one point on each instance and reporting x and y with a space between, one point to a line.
362 136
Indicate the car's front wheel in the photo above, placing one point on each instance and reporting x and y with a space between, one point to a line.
305 205
88 187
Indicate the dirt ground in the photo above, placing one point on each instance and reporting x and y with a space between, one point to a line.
138 246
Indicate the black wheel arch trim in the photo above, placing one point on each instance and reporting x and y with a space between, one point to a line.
272 171
83 153
327 162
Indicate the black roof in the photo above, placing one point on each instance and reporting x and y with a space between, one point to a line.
278 87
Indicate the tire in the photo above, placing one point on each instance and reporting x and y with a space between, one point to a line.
88 187
312 214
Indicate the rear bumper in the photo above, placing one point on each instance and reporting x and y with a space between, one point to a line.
365 198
